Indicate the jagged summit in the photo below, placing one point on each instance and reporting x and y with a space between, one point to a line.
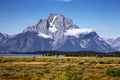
52 24
51 27
58 16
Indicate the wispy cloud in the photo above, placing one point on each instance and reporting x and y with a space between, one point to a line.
62 0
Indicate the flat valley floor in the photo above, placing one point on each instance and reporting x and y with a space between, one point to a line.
59 68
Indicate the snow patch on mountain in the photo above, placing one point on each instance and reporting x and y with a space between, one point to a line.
83 46
51 24
52 27
108 40
84 43
77 32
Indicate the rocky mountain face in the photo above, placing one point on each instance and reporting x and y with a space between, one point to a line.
28 41
56 33
114 43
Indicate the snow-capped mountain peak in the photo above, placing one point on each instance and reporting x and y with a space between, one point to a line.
56 33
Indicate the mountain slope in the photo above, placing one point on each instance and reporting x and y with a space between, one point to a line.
115 43
56 33
28 41
3 38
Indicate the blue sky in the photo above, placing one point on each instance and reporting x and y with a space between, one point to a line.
101 15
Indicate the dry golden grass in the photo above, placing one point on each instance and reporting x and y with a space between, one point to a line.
57 68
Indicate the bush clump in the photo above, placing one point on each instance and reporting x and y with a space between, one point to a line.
113 71
102 62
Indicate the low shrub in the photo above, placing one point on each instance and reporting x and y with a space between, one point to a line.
113 71
5 73
119 62
101 62
93 62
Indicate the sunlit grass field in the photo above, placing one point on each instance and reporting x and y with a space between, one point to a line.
59 68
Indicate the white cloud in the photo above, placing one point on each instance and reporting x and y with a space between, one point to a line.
62 0
44 35
77 32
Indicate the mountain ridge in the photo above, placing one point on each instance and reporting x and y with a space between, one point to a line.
56 33
114 42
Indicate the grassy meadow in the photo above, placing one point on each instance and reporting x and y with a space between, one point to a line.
59 68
